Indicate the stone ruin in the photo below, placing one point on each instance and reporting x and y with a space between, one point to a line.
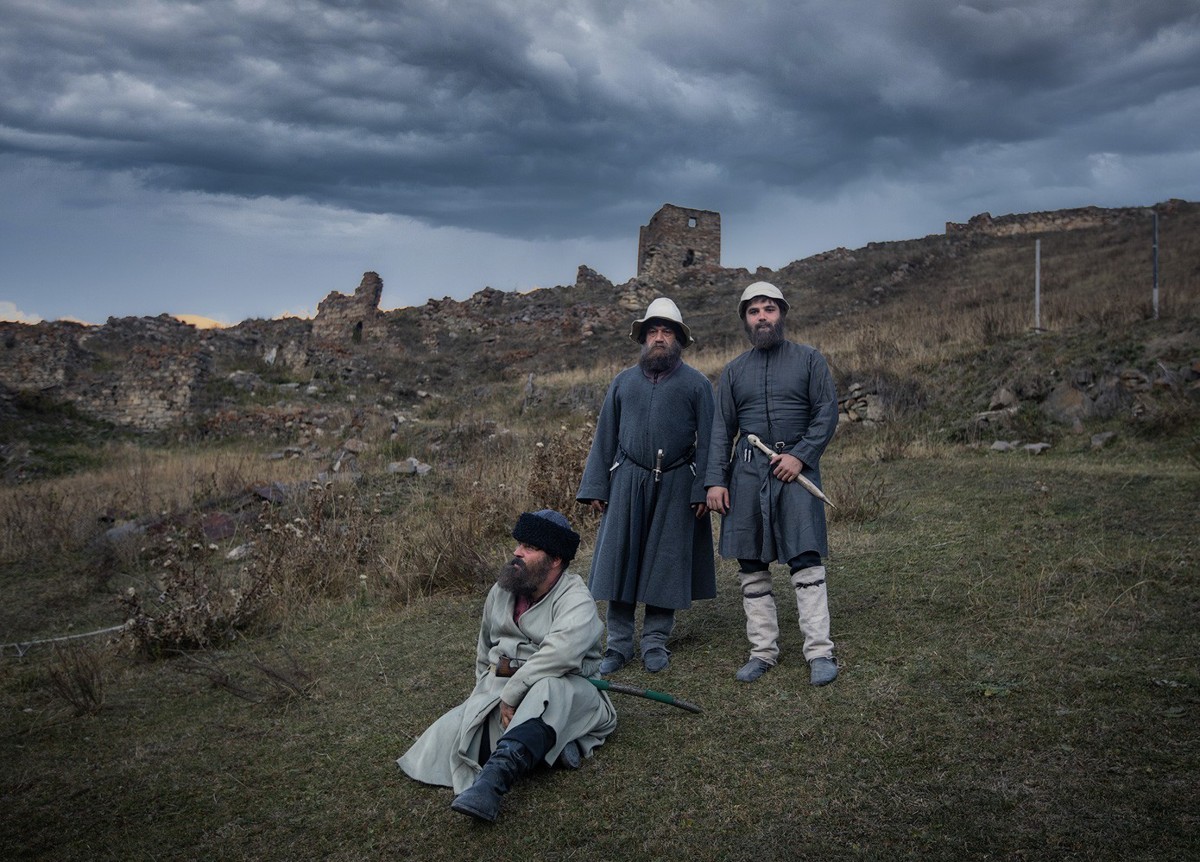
1081 218
352 319
677 238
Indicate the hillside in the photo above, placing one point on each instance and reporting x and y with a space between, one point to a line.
937 324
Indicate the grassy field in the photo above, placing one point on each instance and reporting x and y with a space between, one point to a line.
1020 672
1018 634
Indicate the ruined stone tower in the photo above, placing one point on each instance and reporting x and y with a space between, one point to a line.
677 238
350 319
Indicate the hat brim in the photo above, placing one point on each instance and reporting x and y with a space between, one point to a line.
635 330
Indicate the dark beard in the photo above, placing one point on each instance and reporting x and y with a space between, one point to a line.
765 336
521 578
660 360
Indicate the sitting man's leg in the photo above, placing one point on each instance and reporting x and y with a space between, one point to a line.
520 748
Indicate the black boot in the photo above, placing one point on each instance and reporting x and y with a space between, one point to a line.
508 762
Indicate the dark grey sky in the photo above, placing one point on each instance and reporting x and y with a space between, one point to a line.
238 158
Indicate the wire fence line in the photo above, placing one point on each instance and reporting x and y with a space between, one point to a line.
21 647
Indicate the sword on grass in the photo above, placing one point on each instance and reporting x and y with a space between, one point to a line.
507 666
649 694
753 440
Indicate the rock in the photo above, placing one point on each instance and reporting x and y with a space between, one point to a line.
355 445
410 467
1066 404
247 381
240 552
1036 448
1002 399
217 526
121 532
276 492
1099 441
1134 380
1004 445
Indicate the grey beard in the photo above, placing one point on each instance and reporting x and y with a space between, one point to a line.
519 578
765 339
660 362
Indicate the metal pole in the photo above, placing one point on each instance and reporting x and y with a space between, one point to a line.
1037 285
1156 264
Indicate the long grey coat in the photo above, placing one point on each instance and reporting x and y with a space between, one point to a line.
784 395
559 640
650 546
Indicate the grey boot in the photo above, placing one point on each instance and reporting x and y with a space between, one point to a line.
752 670
508 762
822 671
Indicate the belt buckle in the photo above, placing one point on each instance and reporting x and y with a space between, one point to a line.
780 446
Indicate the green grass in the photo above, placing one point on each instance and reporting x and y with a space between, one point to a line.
1019 648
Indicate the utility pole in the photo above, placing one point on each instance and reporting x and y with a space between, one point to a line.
1037 285
1156 264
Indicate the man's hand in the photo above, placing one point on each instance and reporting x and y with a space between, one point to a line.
598 506
701 509
718 499
506 714
786 467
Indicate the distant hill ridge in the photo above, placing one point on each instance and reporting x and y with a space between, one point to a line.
158 373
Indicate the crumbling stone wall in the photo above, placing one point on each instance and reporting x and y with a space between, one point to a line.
39 356
1022 224
153 388
351 319
136 372
676 239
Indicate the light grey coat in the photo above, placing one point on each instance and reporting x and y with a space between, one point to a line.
558 639
784 395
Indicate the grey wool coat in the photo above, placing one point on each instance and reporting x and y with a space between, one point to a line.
558 639
650 546
784 395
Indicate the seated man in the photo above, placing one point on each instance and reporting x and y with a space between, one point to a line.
539 641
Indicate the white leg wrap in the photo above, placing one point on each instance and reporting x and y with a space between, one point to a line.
762 622
812 606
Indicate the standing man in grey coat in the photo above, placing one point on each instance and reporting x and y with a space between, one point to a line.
645 473
783 393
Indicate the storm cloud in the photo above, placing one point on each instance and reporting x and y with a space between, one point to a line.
470 143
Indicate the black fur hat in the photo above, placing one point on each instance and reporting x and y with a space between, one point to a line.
548 531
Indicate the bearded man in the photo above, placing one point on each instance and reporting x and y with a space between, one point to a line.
645 474
539 641
783 393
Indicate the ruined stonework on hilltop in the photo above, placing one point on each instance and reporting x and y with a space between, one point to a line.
351 319
676 239
141 373
1023 224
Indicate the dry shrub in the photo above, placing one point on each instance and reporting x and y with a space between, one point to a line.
197 608
316 548
859 496
558 461
42 520
893 441
449 540
77 675
455 537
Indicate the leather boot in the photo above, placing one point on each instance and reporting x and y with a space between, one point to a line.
508 762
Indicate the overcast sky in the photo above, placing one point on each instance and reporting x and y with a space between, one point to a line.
243 158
